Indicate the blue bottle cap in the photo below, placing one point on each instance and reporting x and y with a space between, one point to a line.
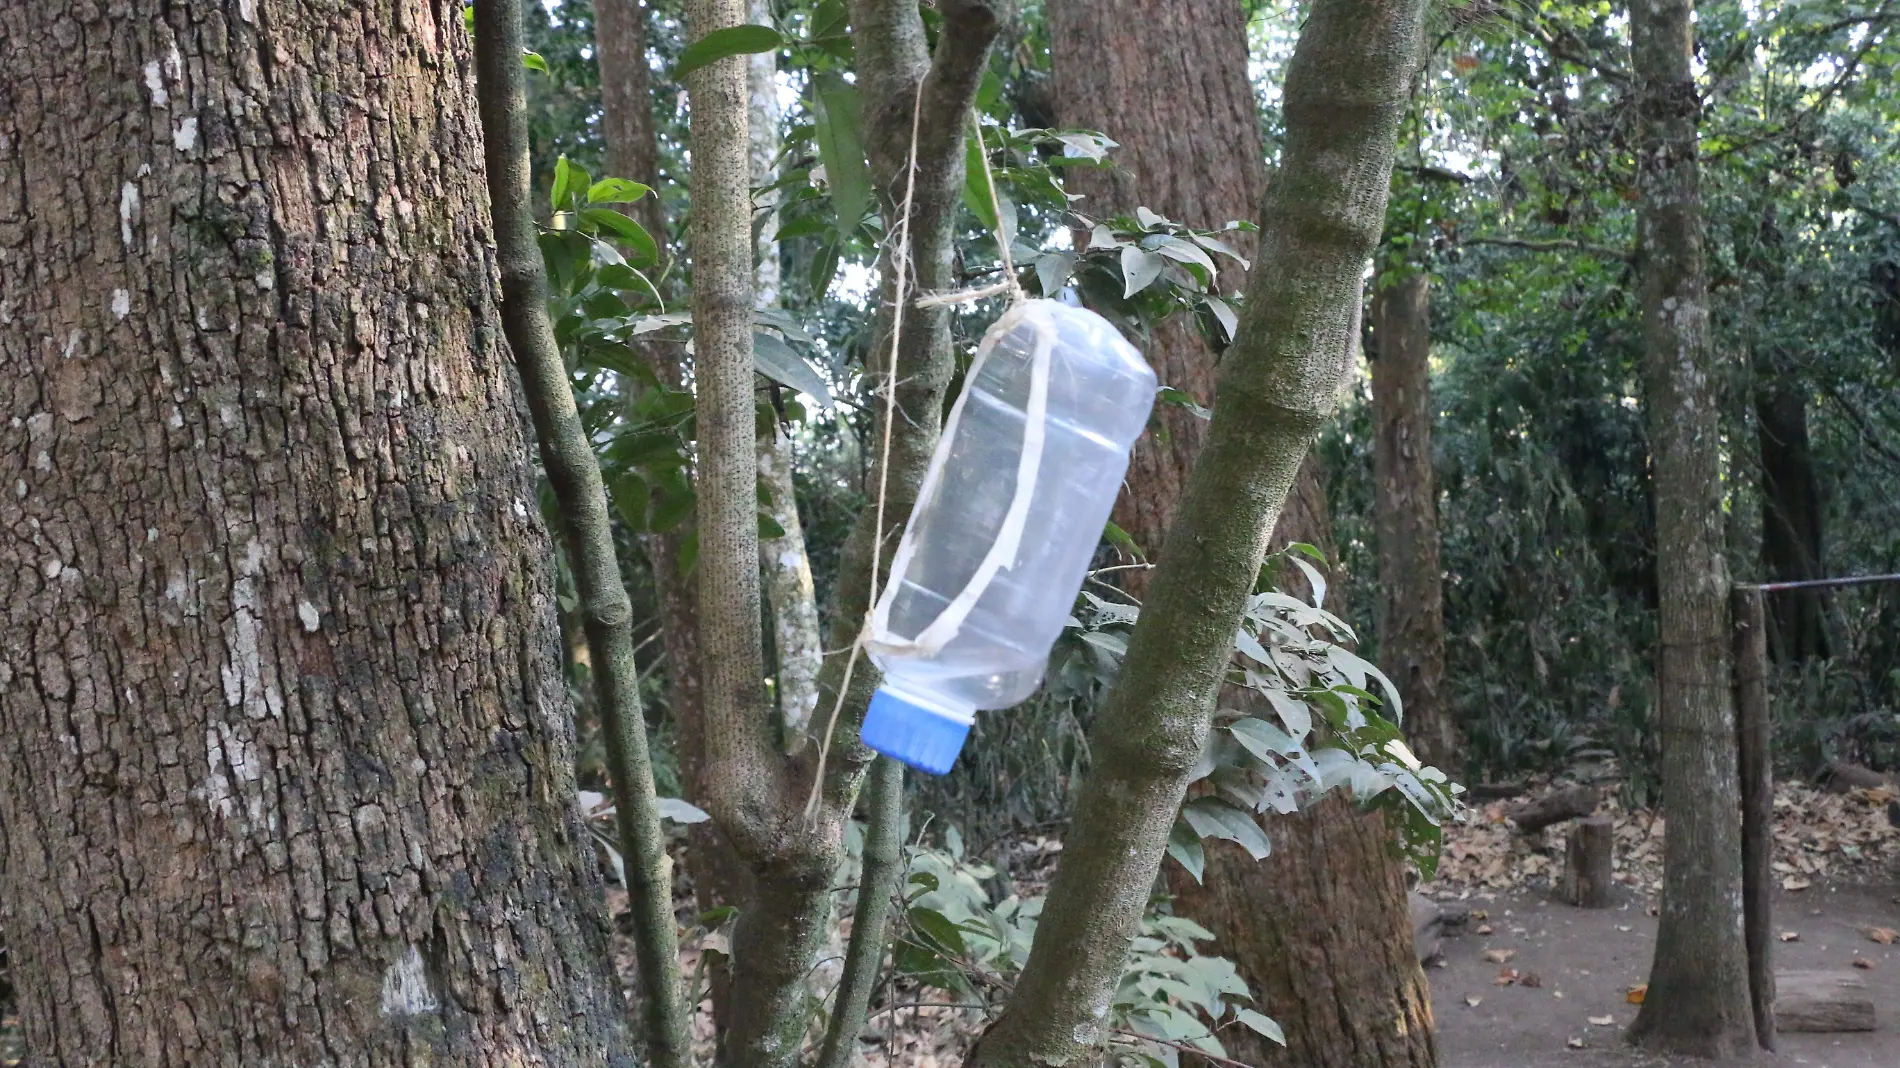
903 728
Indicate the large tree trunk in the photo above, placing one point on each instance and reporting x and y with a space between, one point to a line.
1192 152
1790 514
1698 1000
281 694
1411 595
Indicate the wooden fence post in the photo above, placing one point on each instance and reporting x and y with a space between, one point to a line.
1753 734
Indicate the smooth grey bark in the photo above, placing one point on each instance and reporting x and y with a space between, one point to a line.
1698 999
1320 218
286 776
567 456
878 882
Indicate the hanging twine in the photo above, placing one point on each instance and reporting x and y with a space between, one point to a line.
1011 283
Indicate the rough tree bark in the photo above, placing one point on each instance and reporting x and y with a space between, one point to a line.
281 693
1320 219
1193 153
1698 1000
1411 601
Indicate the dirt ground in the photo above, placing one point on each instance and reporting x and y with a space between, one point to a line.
1575 964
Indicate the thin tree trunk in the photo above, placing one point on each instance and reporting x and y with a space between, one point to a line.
1411 602
1193 152
1698 1000
567 457
1320 219
786 568
1790 513
287 776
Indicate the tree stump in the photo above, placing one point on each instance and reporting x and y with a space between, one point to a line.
1571 802
1587 863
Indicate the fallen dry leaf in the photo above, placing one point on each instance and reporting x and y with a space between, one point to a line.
1796 882
1506 976
1473 1000
1636 993
1499 956
1863 964
1603 1021
1532 980
1485 929
1575 1043
1883 935
1789 936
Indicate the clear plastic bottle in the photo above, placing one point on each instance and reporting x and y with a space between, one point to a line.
1006 522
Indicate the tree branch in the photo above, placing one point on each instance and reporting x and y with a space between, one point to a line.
883 864
568 458
1321 217
1562 244
1862 424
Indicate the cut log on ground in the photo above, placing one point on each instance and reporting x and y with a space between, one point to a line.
1587 863
1428 926
1823 1002
1569 803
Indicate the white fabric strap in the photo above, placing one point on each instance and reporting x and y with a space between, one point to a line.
1002 553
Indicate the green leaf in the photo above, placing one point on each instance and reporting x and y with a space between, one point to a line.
770 527
672 808
837 125
1170 395
689 552
1260 1024
1053 271
774 359
824 264
1263 739
616 191
937 928
730 41
632 496
1120 539
1213 818
569 180
533 61
640 243
1139 268
977 194
1229 322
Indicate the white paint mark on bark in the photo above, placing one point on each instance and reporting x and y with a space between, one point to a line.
72 343
307 612
406 986
121 304
156 83
128 211
186 135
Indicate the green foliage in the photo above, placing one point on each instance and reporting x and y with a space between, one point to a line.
957 936
723 43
